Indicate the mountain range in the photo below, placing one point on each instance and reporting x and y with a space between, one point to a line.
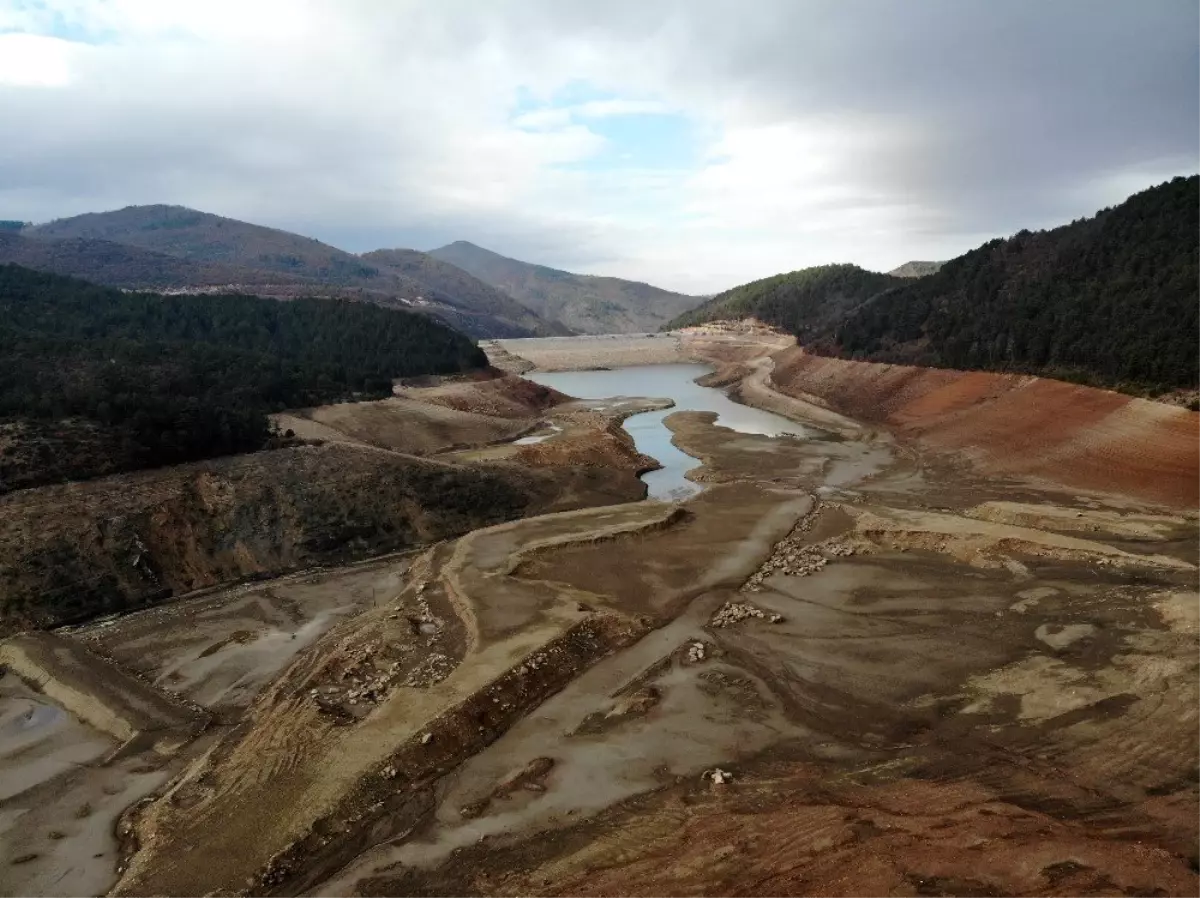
1110 300
174 249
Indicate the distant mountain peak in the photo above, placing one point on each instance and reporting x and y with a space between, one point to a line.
588 304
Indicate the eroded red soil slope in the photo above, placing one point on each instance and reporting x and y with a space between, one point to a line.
1015 424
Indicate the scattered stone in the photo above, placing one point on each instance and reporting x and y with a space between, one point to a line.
432 670
473 810
696 653
531 774
718 777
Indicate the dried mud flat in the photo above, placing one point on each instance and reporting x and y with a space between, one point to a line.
848 666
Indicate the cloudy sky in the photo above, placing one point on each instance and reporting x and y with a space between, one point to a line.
694 144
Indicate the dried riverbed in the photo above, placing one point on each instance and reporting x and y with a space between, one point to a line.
899 675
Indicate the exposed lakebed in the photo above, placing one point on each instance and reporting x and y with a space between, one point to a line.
650 434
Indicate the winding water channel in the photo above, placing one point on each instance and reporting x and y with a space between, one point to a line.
650 434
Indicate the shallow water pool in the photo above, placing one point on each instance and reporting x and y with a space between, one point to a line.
649 433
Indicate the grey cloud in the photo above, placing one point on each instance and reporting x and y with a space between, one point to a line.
1020 102
1013 109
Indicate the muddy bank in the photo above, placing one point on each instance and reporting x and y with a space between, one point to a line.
720 347
379 709
916 701
98 693
430 415
400 424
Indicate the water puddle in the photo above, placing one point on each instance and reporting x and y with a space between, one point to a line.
538 438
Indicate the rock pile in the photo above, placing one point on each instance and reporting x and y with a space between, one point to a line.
366 673
790 556
795 559
793 562
364 680
696 653
532 663
735 612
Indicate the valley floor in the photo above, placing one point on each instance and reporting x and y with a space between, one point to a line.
855 664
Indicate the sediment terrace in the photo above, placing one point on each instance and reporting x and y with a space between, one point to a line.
852 664
105 698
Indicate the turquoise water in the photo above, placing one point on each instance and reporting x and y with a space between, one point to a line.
647 429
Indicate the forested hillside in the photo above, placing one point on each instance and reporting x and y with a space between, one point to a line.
807 302
1111 300
96 380
124 265
203 237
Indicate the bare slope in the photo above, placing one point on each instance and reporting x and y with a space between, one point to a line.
223 250
585 304
915 269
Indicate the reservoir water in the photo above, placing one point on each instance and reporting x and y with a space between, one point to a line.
650 434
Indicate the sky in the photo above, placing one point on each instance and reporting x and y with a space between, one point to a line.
693 144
